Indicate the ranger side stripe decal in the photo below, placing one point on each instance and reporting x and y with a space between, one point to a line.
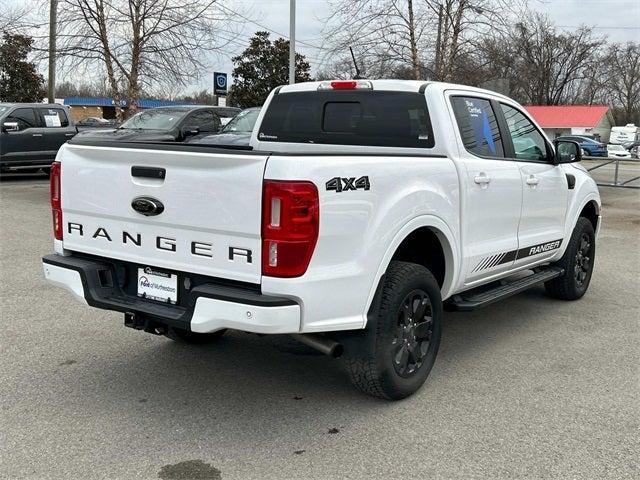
502 258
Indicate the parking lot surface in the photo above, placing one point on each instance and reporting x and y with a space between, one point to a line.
527 388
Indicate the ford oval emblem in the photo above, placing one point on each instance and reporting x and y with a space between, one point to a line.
147 206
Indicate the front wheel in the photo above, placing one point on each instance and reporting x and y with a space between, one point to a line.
577 263
407 333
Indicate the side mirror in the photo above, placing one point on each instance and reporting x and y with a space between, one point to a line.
10 127
190 131
567 151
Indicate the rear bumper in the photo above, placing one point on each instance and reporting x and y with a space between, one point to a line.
207 307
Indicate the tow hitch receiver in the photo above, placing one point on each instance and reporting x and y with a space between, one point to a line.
138 322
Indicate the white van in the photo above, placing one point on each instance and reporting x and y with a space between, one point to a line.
627 134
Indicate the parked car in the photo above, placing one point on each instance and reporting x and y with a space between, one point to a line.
363 206
617 151
589 146
95 122
166 124
236 132
633 148
31 134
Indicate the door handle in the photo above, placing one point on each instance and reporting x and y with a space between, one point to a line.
69 134
36 135
532 181
482 179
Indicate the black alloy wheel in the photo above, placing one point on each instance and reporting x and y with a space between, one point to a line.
413 333
584 255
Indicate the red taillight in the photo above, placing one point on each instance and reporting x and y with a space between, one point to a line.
290 224
56 200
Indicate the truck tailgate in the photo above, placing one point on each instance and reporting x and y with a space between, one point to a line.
212 208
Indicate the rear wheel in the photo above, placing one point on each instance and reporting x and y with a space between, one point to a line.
187 336
577 263
407 335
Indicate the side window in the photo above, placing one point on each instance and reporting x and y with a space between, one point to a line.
478 126
54 117
205 120
25 117
528 142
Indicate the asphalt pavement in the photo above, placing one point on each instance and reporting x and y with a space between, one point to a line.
527 388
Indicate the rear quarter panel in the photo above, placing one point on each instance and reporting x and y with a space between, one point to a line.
359 229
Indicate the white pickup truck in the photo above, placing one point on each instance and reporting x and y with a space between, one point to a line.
360 211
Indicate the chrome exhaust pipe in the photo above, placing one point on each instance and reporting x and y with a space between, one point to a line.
323 345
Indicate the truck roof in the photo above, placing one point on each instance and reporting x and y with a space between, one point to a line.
391 85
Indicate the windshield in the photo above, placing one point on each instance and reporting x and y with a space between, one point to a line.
243 122
157 119
3 109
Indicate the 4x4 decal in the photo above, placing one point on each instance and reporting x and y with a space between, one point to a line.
343 184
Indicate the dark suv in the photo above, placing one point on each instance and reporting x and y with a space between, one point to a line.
31 134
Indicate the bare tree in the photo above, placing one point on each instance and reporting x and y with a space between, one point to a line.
461 26
424 38
622 64
385 34
16 18
143 44
544 66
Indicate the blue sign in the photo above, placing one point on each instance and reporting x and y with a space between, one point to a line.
219 83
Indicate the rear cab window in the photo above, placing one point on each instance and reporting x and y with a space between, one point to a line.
367 118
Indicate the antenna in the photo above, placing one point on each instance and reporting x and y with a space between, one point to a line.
355 64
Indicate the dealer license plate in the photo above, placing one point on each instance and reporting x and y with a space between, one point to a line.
157 285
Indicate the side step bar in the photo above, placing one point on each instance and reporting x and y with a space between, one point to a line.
478 298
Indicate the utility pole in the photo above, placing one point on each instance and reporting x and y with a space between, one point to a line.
53 13
439 41
292 42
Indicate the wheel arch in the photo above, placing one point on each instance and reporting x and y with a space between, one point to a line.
590 211
438 235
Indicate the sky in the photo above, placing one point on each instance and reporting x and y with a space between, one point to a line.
618 19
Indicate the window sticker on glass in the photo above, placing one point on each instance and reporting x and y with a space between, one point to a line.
52 120
478 126
480 122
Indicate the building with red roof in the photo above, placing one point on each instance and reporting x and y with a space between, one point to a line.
558 120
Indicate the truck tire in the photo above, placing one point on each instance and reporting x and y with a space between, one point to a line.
577 263
406 335
187 336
